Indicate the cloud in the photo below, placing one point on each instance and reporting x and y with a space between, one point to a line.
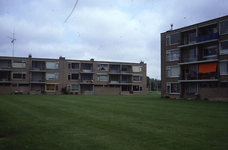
104 30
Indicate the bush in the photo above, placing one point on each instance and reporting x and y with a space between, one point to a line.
64 90
206 99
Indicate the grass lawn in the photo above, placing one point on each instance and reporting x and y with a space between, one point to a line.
118 122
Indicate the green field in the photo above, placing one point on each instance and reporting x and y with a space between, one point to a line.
130 122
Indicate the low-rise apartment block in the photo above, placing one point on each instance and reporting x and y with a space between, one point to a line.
194 61
51 76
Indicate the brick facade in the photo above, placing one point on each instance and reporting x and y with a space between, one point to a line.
50 76
186 51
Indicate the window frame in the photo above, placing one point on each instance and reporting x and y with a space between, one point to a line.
22 62
220 27
22 77
169 68
197 88
139 87
169 39
71 77
56 64
56 76
139 76
70 90
99 65
55 89
210 56
70 63
140 68
169 84
226 61
220 51
98 77
170 51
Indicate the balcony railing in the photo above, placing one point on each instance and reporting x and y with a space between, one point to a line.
5 67
5 79
90 81
38 68
37 80
87 70
120 82
193 58
199 76
207 37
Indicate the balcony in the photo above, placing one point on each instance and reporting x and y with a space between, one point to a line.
5 65
121 82
208 37
87 81
200 40
38 66
87 70
199 77
37 80
191 59
5 80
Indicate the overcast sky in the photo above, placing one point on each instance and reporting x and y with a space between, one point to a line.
106 30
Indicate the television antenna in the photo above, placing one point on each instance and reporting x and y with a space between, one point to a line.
12 41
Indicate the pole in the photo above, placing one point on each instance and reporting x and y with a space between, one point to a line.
157 85
150 85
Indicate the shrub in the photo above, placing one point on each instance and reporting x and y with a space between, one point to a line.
64 90
206 99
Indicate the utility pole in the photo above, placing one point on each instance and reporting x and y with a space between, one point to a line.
157 85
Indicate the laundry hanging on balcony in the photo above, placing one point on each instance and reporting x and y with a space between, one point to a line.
207 67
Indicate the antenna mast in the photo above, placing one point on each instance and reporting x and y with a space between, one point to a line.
13 39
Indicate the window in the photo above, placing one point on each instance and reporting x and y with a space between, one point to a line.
52 65
173 71
19 75
224 47
213 84
73 87
224 68
52 87
102 77
191 88
173 88
52 76
73 65
223 84
203 84
137 88
172 39
210 51
23 85
14 84
73 76
137 68
190 38
223 27
172 55
137 78
103 67
87 66
19 63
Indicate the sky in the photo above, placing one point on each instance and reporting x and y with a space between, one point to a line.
117 30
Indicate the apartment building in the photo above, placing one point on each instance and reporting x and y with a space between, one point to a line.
194 61
50 76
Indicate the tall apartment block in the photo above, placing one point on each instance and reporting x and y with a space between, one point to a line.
194 61
50 76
